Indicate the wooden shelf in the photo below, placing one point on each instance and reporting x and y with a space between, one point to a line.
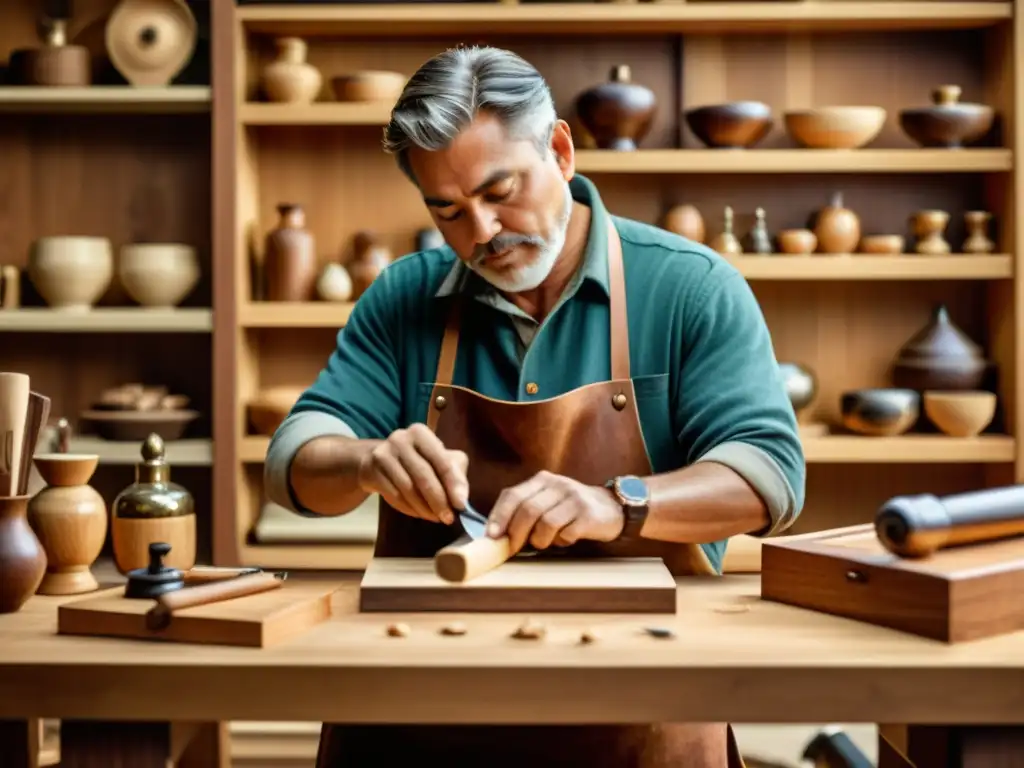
107 320
909 449
834 449
106 99
374 113
279 314
866 267
795 161
605 18
179 453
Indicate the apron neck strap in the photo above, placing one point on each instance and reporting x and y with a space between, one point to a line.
617 317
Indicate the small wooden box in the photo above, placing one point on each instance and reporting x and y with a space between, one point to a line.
955 595
601 585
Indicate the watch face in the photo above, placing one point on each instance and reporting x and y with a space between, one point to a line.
633 489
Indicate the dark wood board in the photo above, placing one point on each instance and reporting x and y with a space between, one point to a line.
528 585
253 621
956 595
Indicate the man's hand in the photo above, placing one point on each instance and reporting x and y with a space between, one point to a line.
417 475
552 510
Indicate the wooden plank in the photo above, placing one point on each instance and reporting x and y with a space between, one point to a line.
254 621
107 320
613 585
104 99
606 18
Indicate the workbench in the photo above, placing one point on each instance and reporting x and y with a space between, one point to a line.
734 658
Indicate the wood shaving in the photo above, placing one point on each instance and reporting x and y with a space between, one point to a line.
398 630
659 632
454 629
530 630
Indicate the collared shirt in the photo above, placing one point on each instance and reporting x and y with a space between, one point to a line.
707 383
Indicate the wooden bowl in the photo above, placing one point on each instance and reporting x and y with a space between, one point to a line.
835 127
797 242
271 407
960 414
66 469
881 412
882 245
369 85
736 125
138 425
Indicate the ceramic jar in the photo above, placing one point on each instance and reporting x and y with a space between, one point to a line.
617 114
289 78
153 509
290 265
71 273
837 228
369 259
150 41
22 559
158 274
70 519
334 283
940 357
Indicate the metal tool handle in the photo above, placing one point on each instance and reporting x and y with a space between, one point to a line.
468 558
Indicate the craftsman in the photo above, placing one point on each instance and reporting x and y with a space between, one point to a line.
504 368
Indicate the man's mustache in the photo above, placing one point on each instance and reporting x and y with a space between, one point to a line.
502 243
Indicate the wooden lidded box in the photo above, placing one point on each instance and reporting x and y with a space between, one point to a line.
961 594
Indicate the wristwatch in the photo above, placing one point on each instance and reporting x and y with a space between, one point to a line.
634 497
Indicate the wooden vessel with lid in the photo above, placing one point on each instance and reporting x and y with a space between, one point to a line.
153 509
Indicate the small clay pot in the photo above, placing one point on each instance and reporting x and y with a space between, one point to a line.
685 220
22 558
941 357
618 114
369 85
837 227
736 125
882 245
289 78
797 242
960 414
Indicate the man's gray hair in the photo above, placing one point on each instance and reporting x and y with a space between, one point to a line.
447 93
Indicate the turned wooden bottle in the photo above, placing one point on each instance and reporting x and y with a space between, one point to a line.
290 265
153 509
70 518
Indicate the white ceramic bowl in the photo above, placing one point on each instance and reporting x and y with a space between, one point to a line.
71 273
158 274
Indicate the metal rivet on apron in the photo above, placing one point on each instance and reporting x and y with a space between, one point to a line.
619 401
440 402
532 388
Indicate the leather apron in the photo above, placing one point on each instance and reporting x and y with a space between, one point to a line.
591 434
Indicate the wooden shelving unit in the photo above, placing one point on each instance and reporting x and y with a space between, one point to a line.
131 165
844 316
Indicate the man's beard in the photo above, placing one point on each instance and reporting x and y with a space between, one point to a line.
528 276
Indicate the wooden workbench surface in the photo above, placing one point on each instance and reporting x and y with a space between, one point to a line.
733 658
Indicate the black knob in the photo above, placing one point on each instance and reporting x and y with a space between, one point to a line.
158 550
147 36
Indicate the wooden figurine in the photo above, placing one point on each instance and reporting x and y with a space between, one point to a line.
758 237
928 228
978 240
727 243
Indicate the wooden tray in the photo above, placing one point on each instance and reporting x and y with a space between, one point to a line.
612 585
956 595
253 621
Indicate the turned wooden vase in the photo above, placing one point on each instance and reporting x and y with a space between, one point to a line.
618 113
290 265
70 519
22 558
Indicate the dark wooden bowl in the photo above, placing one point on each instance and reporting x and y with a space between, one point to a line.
138 425
948 122
882 412
736 125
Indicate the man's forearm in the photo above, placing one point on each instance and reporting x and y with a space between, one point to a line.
702 503
324 475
